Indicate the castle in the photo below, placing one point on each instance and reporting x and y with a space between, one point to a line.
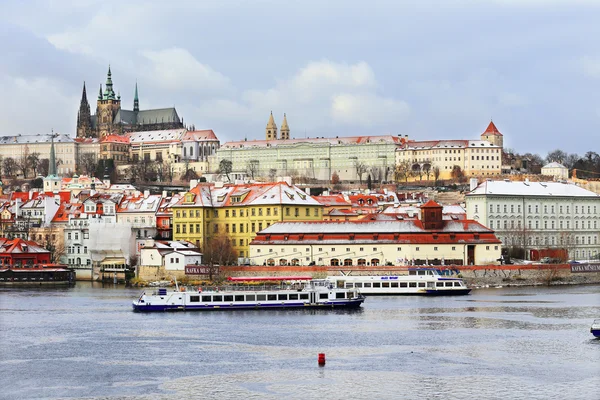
111 119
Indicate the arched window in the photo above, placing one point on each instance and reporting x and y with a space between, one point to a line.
335 262
270 262
283 261
361 262
191 151
348 261
375 261
184 152
78 261
295 261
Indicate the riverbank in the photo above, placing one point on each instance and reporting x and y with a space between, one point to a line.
475 276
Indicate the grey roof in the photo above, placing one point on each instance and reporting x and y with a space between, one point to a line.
126 117
39 138
555 189
554 165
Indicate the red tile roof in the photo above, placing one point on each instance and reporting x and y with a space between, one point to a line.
492 130
206 134
431 204
115 139
20 246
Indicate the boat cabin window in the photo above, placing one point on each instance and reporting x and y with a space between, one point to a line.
385 284
421 272
239 297
194 299
394 284
217 298
340 295
421 284
367 284
323 295
448 284
282 297
294 296
412 272
303 296
403 284
439 284
206 299
250 297
457 284
271 297
349 285
358 284
228 298
376 284
261 297
412 284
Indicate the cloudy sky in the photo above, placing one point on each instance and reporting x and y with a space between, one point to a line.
429 69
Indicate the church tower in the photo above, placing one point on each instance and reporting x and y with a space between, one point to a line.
52 181
136 101
285 129
493 135
271 128
84 117
108 106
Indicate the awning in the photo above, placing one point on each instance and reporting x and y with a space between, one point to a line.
113 261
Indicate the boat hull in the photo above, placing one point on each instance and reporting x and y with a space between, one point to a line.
595 332
351 303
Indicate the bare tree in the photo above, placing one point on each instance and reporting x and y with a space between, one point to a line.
335 178
252 167
402 171
426 169
375 173
23 162
9 167
417 171
43 166
457 173
33 160
557 155
87 163
225 168
360 168
218 252
436 174
272 174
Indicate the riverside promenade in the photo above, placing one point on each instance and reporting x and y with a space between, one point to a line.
475 275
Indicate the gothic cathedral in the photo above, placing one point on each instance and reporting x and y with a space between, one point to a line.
111 119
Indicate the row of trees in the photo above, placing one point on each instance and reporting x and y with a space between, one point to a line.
587 166
32 165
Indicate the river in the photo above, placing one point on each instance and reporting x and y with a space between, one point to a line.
85 342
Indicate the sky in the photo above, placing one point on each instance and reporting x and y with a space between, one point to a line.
426 69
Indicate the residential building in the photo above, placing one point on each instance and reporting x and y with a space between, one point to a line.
170 255
558 171
239 211
19 253
156 146
430 240
552 219
115 147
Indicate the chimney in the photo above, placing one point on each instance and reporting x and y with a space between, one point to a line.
193 183
164 193
473 184
30 194
17 207
146 193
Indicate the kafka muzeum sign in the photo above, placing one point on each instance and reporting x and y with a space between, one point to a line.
585 267
197 270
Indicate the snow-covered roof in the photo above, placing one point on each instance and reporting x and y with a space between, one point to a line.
510 188
554 165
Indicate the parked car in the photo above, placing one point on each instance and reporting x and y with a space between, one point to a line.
545 260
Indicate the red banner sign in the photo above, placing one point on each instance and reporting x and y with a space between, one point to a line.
197 270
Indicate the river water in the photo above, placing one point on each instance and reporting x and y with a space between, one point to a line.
509 343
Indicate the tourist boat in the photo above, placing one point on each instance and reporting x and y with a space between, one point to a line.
595 329
416 281
292 292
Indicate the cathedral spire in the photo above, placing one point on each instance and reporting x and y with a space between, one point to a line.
136 100
271 128
285 129
109 92
100 93
52 166
84 116
84 94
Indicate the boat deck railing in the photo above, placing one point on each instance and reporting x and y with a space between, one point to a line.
235 288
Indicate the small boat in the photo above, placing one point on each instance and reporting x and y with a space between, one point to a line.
595 329
290 293
417 281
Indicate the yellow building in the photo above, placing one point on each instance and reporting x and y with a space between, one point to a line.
239 212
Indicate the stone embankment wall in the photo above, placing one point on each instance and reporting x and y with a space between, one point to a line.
480 275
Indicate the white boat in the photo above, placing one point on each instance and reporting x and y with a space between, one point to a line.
291 293
595 329
416 281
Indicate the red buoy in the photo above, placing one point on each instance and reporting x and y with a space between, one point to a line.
321 359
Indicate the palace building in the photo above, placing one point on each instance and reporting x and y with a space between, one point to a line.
111 119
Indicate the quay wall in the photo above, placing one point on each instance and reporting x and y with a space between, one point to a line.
478 275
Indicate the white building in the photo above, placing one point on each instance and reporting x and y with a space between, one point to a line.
558 171
172 255
543 218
